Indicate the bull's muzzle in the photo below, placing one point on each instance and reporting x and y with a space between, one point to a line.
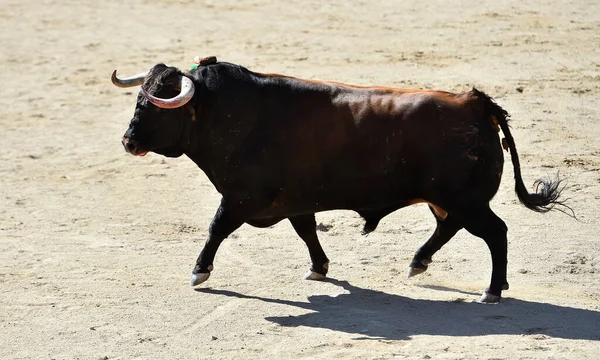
131 146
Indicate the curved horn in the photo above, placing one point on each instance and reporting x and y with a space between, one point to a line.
187 92
131 81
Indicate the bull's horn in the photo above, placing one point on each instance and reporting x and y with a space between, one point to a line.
131 81
187 92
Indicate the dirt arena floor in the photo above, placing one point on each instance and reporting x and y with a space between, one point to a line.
97 246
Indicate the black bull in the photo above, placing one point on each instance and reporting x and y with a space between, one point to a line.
278 147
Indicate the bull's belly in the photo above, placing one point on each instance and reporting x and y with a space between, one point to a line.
359 196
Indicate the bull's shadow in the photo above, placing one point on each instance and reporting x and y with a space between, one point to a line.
375 314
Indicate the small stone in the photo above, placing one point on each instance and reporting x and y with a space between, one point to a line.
214 338
520 89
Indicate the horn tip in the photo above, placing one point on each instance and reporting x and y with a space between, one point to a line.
113 78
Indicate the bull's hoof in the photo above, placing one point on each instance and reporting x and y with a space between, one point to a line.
412 271
199 275
199 278
317 275
488 298
312 275
417 267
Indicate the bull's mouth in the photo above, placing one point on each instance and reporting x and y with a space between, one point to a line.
140 153
133 148
136 151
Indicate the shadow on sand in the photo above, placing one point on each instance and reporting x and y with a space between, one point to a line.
374 314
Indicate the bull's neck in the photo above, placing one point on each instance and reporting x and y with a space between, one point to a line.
225 115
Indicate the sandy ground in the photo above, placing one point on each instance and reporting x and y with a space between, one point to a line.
96 246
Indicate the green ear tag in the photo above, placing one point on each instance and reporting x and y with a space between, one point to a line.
203 61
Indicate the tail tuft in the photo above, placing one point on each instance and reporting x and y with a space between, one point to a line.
547 193
545 197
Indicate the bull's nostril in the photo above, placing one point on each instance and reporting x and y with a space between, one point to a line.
130 146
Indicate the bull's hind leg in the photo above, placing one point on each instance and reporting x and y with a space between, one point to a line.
444 231
482 222
306 228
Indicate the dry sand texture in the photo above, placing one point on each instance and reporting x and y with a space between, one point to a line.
96 246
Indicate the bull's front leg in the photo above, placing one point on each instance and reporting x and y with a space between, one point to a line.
231 214
306 228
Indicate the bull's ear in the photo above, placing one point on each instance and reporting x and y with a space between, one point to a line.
191 110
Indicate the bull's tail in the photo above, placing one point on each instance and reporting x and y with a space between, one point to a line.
547 191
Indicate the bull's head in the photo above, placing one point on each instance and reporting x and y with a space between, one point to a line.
162 114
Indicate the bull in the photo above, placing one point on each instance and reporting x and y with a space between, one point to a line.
278 147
